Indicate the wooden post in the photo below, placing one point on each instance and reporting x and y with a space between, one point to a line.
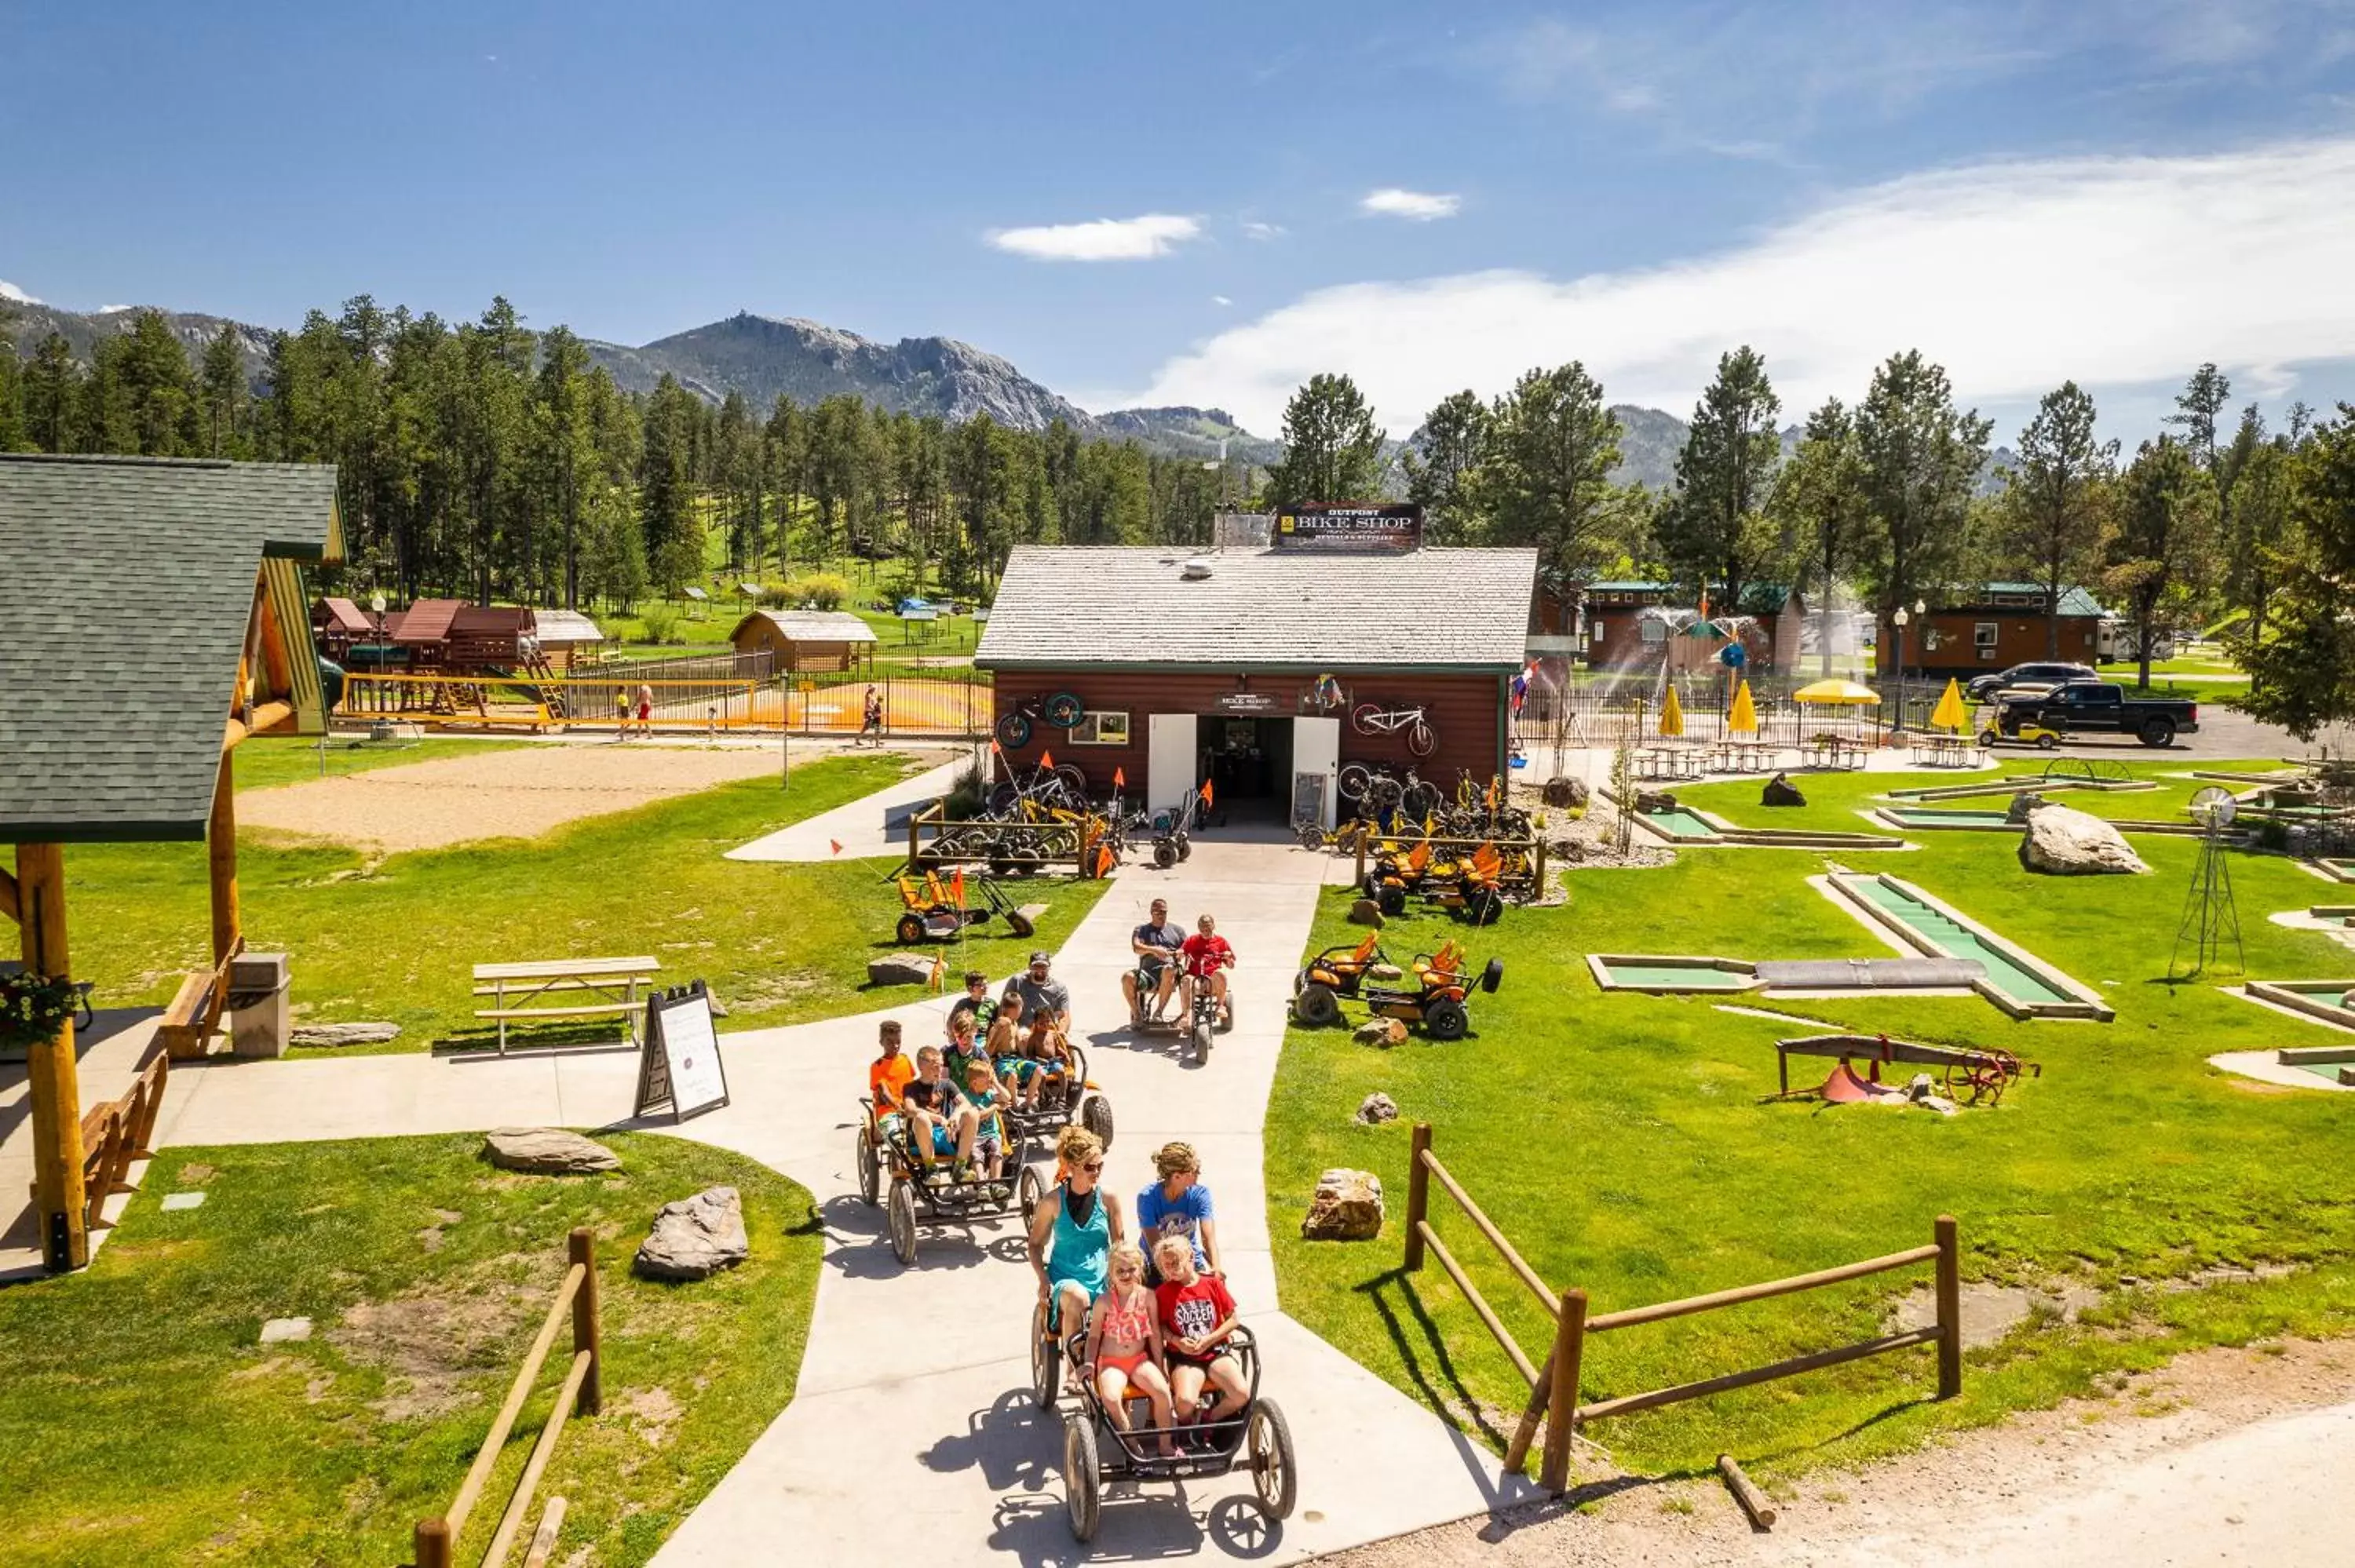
1562 1401
1537 890
581 1247
431 1543
1950 1309
915 838
1753 1501
220 847
1365 832
53 1080
1418 1194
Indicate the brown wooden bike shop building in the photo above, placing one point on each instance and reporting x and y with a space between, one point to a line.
1245 667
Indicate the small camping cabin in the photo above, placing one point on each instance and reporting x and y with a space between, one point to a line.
813 641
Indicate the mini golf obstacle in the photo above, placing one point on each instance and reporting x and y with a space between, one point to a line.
1971 1076
2013 979
2329 1001
2333 1064
2332 867
1690 826
1989 819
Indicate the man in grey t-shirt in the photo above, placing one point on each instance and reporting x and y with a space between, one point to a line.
1042 997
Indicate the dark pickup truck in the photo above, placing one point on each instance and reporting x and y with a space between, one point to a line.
2097 705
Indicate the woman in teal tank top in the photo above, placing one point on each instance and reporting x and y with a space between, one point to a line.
1074 1230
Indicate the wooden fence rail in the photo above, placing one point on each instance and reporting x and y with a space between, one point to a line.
582 1393
1553 1386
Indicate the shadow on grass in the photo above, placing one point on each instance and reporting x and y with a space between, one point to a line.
1380 1291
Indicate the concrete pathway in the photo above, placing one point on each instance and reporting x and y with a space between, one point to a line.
913 1430
858 827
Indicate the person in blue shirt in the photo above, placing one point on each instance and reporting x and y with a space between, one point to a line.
1179 1205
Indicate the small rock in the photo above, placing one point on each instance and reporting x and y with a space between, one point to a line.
1571 850
175 1201
1382 1031
1379 1108
285 1330
696 1237
1366 912
2063 842
1781 792
901 969
333 1034
547 1151
1347 1207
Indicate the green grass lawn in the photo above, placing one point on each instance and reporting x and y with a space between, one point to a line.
1620 1141
395 938
1835 798
144 1423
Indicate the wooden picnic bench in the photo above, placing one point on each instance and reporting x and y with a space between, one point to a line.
617 986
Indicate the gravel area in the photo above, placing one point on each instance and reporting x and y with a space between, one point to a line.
2168 1454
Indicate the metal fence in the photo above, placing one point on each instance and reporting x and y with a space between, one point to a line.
1604 713
959 703
681 672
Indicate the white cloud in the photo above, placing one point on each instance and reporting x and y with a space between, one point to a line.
112 310
1419 206
1253 230
1103 239
9 290
1220 300
2015 276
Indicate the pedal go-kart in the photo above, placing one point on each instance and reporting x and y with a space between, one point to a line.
1435 995
1206 1019
1343 969
919 1197
929 915
1068 1095
1173 832
1096 1453
1472 887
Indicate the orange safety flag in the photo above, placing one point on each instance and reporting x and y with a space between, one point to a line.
1206 791
1046 761
957 888
1704 604
1492 794
837 843
1119 780
995 747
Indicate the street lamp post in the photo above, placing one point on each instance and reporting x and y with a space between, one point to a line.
1899 618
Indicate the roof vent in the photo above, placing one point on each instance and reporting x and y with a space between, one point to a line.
1195 568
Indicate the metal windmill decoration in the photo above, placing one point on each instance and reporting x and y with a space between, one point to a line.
2209 917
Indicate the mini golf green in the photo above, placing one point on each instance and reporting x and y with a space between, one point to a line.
2008 970
1675 977
1932 817
1680 823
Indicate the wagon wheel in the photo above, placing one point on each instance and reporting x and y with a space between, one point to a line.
911 928
1983 1077
900 1214
1274 1475
1046 1358
870 1167
1081 1476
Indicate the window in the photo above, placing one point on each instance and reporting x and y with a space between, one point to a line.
1983 637
1594 633
1101 729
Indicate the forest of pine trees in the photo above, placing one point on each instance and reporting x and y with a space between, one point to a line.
485 461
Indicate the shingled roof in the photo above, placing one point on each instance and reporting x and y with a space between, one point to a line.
1439 609
810 625
122 617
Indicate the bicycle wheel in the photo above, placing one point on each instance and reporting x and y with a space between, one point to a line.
1354 776
1420 800
1075 784
1014 730
1421 738
1062 710
1364 717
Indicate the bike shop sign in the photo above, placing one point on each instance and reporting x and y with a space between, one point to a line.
1246 703
1386 528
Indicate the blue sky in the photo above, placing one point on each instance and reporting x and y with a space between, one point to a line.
1206 204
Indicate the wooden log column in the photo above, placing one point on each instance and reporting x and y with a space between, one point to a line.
54 1084
220 846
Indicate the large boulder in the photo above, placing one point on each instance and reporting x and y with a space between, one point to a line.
1781 792
2062 841
547 1151
1347 1207
901 969
696 1237
1564 791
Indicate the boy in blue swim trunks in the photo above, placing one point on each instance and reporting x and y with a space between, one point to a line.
939 1121
983 1102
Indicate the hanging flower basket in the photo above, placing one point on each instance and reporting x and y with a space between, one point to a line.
33 1008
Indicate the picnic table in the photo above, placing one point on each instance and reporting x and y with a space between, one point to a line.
1670 761
1748 756
1944 750
1834 751
607 987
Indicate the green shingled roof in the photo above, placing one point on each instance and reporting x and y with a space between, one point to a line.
123 603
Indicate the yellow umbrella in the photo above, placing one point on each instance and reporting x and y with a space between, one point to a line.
1745 712
1951 714
1844 694
1672 715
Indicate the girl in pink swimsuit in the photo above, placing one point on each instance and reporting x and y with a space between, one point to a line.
1124 1346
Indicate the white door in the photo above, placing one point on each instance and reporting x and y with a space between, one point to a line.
1169 760
1316 751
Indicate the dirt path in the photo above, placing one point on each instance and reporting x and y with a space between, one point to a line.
2226 1457
521 792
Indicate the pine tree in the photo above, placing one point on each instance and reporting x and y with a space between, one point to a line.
1547 479
2166 515
1442 478
52 394
222 395
1712 529
1820 505
1332 450
674 543
2052 509
1921 462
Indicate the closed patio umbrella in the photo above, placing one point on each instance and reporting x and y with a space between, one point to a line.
1951 714
1745 712
1672 715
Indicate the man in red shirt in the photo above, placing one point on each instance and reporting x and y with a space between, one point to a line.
1208 959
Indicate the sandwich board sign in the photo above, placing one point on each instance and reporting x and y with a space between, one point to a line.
678 1063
